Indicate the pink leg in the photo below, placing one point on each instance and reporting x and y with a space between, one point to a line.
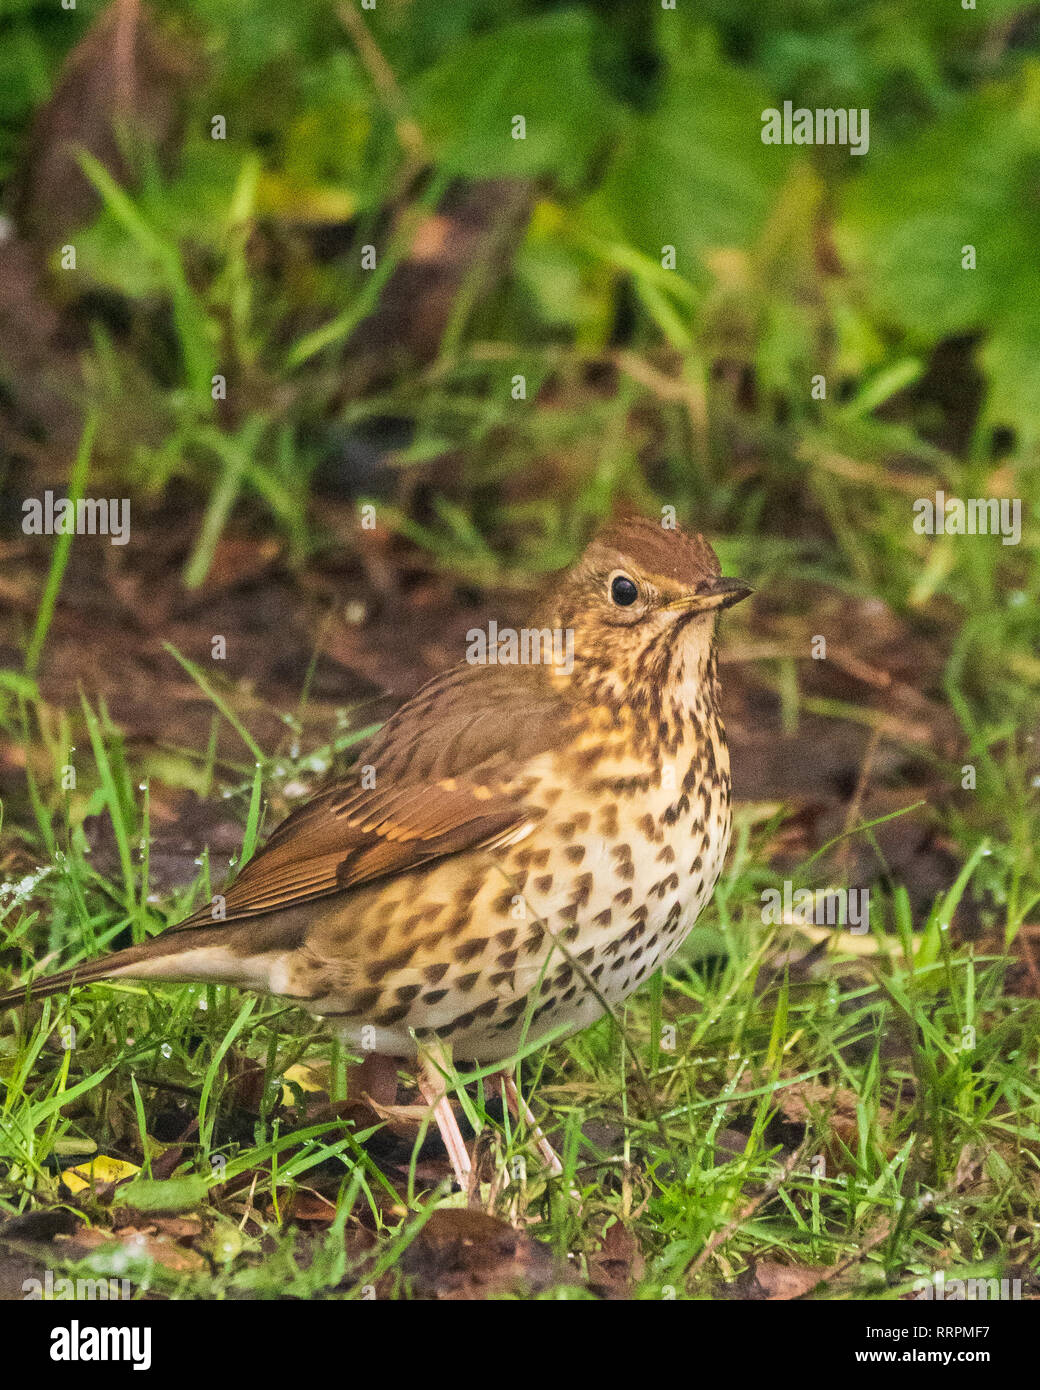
431 1086
518 1107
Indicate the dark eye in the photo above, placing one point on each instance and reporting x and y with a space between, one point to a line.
623 590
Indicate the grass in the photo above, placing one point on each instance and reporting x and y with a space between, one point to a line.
872 1119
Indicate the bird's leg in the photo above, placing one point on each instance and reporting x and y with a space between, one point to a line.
518 1107
432 1089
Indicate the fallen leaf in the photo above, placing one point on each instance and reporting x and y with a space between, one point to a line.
306 1078
97 1172
312 1207
769 1281
463 1254
617 1264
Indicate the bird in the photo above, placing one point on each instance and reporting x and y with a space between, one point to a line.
517 849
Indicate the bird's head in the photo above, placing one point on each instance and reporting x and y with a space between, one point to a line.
640 608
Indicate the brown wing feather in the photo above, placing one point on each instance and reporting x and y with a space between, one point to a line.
448 777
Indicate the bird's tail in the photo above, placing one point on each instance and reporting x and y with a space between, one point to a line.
200 954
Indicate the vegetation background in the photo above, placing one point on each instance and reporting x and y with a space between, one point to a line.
796 1111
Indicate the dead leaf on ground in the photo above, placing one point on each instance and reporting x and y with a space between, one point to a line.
462 1254
375 1076
617 1265
151 1241
310 1208
772 1282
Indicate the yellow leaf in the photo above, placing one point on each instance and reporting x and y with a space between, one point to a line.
99 1170
307 1078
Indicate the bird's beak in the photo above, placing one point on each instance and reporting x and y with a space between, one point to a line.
714 594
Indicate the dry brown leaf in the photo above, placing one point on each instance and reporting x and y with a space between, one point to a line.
462 1254
617 1264
769 1281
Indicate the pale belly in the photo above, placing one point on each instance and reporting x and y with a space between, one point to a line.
494 951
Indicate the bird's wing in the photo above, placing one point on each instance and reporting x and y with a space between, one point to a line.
447 774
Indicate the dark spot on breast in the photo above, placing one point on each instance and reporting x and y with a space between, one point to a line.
458 924
379 969
392 1016
469 949
582 889
364 1001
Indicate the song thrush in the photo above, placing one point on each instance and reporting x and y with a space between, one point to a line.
519 847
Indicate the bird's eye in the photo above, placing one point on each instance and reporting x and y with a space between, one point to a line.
623 590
